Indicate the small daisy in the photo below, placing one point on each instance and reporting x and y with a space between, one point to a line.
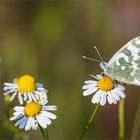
33 114
27 89
105 89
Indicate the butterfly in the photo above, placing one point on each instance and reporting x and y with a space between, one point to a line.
124 66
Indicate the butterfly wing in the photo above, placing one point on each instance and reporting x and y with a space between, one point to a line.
124 66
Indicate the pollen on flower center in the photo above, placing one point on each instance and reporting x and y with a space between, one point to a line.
105 83
32 109
26 83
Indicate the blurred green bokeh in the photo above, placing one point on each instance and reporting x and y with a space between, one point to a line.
47 39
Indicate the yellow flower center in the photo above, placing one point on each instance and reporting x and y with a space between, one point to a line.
32 109
105 83
26 83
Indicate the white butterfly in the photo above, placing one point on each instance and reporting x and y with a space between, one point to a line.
124 66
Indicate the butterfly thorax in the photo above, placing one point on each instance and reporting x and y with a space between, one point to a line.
104 66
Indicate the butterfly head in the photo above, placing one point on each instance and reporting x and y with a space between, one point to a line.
104 66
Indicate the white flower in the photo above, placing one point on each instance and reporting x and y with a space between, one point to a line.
26 88
105 89
33 114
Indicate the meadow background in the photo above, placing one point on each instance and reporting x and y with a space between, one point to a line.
47 39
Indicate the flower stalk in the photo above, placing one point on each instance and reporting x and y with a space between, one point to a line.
44 133
121 120
136 125
89 122
47 134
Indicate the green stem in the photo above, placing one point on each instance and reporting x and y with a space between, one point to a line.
44 133
136 125
89 122
47 134
121 120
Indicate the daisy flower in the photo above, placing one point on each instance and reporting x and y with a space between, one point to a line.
26 88
33 114
105 89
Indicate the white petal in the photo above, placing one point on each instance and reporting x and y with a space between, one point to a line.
91 82
9 91
113 99
18 108
17 113
121 93
115 95
20 122
28 124
110 98
23 122
13 96
37 92
41 95
29 96
9 84
42 89
50 107
10 88
45 119
33 97
49 114
90 91
41 121
43 102
115 102
25 96
121 87
39 85
20 98
89 86
96 97
99 76
6 93
103 98
16 117
34 123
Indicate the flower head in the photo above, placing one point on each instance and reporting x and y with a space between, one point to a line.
33 114
26 83
26 88
105 89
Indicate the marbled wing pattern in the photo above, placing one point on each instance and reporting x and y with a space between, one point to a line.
125 64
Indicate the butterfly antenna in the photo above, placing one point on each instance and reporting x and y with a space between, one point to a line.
91 59
98 53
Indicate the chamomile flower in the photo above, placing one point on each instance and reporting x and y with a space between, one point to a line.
105 89
33 114
26 88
